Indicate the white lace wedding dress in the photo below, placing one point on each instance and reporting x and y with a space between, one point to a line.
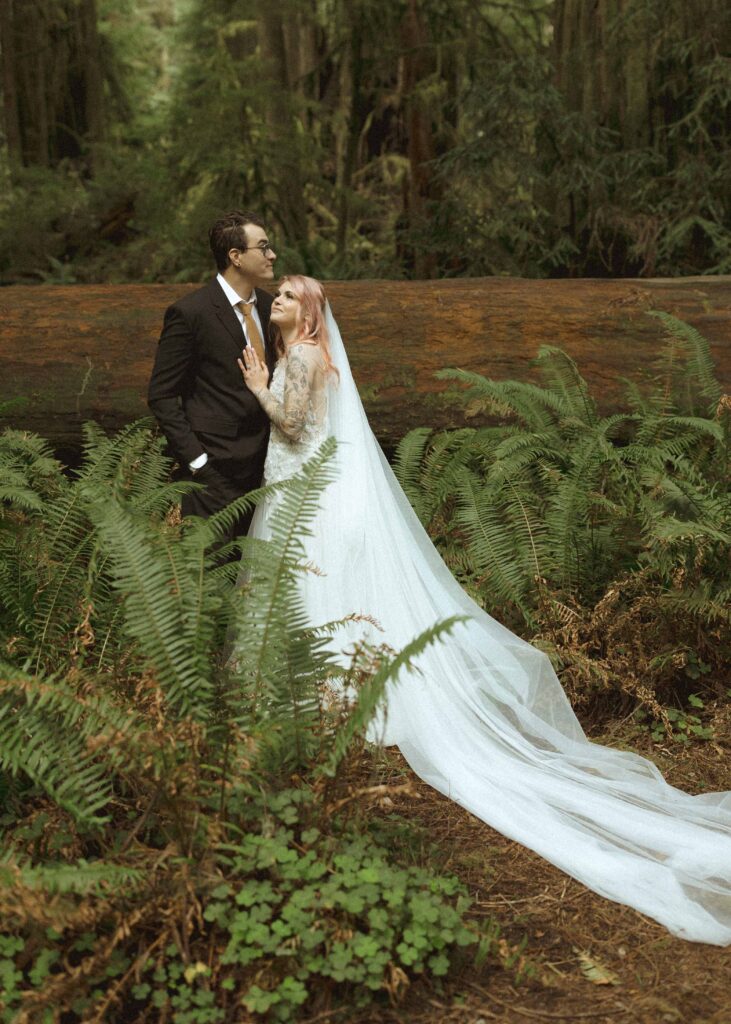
484 719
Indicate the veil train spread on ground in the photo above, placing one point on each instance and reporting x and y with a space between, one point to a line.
486 721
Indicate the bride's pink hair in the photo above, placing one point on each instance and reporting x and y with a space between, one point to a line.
311 326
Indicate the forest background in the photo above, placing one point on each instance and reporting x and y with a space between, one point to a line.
185 837
378 138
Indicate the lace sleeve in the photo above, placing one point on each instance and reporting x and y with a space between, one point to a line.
290 415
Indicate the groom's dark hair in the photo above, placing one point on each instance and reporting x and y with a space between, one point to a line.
229 232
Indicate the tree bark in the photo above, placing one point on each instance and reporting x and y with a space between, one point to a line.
53 78
345 133
615 60
418 66
285 142
93 75
85 352
643 70
10 82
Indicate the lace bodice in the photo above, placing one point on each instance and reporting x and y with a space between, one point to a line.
285 456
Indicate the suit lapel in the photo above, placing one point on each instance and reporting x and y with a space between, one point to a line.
226 316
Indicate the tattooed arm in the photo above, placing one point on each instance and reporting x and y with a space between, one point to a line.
290 414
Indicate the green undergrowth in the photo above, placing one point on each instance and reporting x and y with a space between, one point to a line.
186 804
194 827
277 920
604 539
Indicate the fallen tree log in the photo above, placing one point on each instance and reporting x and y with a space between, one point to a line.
74 353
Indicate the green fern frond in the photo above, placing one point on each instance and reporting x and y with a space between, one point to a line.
536 408
525 454
59 576
15 492
695 425
29 473
278 661
168 600
563 379
80 878
368 698
62 742
641 401
450 453
684 433
503 532
701 604
430 467
698 370
671 529
131 465
407 465
573 513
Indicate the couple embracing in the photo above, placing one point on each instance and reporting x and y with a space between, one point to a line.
244 386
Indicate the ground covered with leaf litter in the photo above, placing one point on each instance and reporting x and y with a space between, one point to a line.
568 954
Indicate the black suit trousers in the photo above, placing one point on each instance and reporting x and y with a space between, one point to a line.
218 490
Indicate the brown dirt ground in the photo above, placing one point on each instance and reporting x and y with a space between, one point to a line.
650 977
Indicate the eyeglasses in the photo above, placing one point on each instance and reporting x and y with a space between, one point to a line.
263 247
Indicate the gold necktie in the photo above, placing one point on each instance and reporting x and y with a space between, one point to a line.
252 331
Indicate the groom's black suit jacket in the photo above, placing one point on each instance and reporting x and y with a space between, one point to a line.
196 389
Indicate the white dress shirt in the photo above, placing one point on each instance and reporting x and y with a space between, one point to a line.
234 298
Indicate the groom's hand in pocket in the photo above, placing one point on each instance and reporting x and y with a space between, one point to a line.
207 476
213 491
206 470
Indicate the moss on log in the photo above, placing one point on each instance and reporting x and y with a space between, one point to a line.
75 353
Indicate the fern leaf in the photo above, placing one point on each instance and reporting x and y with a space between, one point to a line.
80 877
563 378
369 697
699 370
407 467
56 739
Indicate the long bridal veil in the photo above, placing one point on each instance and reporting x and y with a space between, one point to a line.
485 720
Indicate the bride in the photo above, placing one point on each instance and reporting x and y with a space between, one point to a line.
484 720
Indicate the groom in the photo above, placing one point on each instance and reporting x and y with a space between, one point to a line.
214 425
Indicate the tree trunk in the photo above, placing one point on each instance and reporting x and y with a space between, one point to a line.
616 60
343 131
93 77
32 40
53 78
418 66
285 143
642 69
85 352
11 120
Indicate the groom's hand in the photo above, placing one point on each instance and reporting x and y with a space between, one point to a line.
204 471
